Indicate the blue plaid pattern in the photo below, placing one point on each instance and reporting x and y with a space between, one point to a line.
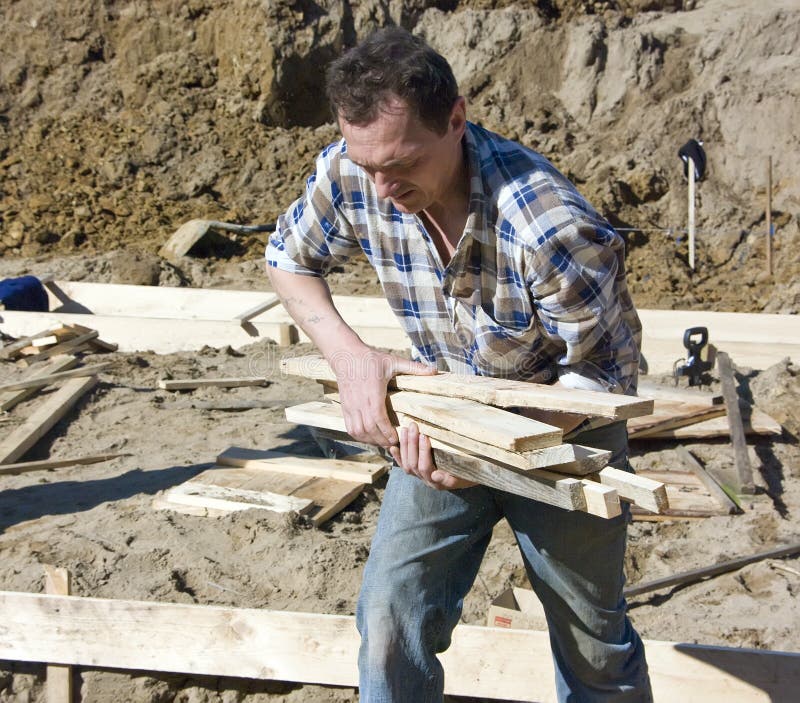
534 291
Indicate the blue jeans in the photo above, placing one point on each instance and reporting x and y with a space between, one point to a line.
425 556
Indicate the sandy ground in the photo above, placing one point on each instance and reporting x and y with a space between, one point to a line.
119 121
98 522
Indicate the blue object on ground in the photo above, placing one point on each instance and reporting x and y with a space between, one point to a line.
23 293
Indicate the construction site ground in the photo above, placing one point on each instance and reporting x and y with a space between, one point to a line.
120 121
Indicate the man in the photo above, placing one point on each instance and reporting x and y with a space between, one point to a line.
496 266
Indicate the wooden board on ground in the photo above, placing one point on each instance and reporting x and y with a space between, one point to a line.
8 399
759 423
670 414
493 391
482 662
51 410
687 495
44 464
320 467
192 383
490 425
322 498
41 380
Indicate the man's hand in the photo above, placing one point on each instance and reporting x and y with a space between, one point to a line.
415 457
363 375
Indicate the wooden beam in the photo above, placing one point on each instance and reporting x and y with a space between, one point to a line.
342 469
707 479
639 490
744 472
491 425
191 384
256 310
8 399
42 380
601 500
58 688
669 415
43 418
25 466
157 334
57 582
493 391
722 568
482 662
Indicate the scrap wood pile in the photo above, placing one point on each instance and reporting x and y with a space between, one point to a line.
50 358
474 436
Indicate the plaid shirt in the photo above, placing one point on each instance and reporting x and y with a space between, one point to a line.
534 291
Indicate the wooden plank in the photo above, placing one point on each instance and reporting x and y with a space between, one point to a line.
707 479
493 391
42 380
567 493
572 459
601 500
43 418
190 384
57 582
759 423
160 335
232 499
239 489
320 467
639 490
482 662
8 399
741 457
256 310
668 415
96 343
24 467
490 425
329 496
69 347
707 571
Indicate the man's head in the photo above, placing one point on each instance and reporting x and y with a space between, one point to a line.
398 107
392 63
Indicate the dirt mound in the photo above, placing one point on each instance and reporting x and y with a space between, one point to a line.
119 121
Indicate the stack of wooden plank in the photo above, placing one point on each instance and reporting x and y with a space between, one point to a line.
245 479
51 359
57 340
475 437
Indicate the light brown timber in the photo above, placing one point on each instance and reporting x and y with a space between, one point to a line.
57 582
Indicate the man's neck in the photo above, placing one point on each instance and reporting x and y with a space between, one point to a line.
447 217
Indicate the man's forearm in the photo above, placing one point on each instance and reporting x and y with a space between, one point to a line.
308 300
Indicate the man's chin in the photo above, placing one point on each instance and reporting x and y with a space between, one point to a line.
408 207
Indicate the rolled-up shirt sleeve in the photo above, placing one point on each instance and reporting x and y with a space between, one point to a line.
314 234
579 292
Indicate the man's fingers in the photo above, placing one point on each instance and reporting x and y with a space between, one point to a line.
400 365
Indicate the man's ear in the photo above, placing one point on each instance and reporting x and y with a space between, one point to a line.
458 117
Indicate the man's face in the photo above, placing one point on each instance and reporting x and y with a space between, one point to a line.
409 164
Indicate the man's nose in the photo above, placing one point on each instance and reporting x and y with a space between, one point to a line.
383 184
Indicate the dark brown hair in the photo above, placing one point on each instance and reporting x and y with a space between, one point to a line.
392 62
